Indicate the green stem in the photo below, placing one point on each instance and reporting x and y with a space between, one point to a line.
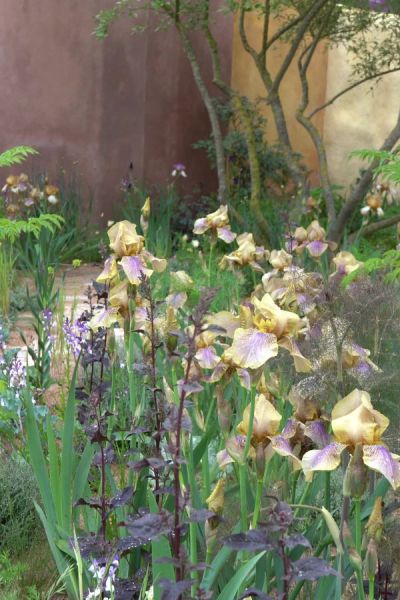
327 475
130 359
257 503
296 476
210 263
360 585
243 467
357 519
371 588
243 496
192 526
250 425
205 468
303 497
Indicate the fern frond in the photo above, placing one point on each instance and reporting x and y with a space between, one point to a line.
371 155
11 230
16 155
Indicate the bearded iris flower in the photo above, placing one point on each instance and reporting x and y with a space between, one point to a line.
217 223
262 332
247 253
313 239
356 425
293 289
280 259
346 262
265 425
137 264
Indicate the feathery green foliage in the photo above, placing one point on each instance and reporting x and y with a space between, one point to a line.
388 163
16 155
11 230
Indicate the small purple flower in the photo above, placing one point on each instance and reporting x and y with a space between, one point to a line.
16 375
75 335
47 321
381 5
178 170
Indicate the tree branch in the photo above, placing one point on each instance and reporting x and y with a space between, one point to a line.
304 24
243 36
349 88
265 29
374 227
336 229
302 64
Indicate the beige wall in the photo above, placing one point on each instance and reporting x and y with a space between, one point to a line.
359 119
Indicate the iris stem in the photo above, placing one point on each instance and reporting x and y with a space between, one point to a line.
303 497
360 585
257 504
130 359
357 519
192 526
327 490
210 264
205 467
243 466
294 485
243 496
371 588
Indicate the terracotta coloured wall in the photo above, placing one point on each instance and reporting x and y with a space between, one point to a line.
95 106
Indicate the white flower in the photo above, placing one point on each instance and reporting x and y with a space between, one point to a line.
53 199
365 210
379 212
178 170
149 595
195 243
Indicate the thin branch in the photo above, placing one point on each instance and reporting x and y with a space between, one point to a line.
349 88
214 52
283 30
374 227
265 29
336 229
244 38
303 63
304 24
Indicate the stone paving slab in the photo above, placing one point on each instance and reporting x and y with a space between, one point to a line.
73 284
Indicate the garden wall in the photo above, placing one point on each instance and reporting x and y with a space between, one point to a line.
359 119
94 106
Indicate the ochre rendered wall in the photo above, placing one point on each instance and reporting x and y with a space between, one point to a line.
96 106
246 80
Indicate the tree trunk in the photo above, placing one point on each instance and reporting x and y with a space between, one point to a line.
212 114
337 228
255 175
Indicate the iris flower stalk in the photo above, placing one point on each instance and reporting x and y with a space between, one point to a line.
243 465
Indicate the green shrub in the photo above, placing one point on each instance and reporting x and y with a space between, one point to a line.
18 518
